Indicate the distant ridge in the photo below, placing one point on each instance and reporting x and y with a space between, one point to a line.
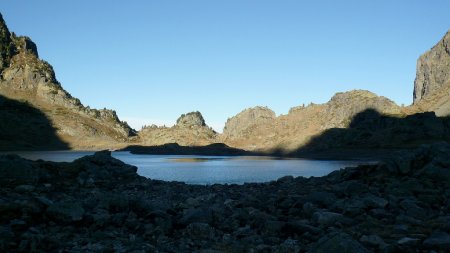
30 82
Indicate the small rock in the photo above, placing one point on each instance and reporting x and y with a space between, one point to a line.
196 216
327 218
24 188
200 231
373 201
373 241
409 242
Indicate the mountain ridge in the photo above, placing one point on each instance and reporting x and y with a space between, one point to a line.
26 77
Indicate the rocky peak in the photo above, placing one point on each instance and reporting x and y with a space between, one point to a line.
433 70
192 119
6 45
238 124
25 44
343 106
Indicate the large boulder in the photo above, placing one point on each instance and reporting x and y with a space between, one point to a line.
17 171
338 242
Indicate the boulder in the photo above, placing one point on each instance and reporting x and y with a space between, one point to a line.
15 171
438 240
338 242
65 212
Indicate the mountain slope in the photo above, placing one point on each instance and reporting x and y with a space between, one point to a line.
25 77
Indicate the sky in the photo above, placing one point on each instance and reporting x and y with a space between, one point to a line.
152 61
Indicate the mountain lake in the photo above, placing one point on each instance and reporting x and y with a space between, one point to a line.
209 169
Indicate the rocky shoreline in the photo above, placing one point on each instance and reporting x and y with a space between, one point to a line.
100 204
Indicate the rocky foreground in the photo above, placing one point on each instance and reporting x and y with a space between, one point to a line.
100 204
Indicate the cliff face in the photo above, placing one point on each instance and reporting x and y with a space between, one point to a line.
433 69
432 84
25 77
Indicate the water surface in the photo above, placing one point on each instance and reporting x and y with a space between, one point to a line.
209 169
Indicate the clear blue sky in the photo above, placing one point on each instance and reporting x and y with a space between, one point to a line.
154 60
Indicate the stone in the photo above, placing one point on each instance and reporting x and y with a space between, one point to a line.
65 212
24 188
438 240
196 216
372 201
15 171
407 241
337 242
325 218
322 198
200 231
290 246
373 241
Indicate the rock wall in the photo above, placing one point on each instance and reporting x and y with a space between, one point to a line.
433 70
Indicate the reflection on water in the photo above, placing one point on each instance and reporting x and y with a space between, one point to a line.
210 169
194 159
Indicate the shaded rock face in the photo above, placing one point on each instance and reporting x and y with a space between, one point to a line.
433 70
191 119
6 46
25 77
23 127
242 123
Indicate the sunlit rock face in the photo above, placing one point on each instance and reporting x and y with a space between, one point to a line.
433 69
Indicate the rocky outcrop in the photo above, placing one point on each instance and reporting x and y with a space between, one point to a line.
190 130
243 123
100 204
433 70
343 107
25 77
192 119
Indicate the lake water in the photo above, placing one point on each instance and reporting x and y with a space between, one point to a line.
209 169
